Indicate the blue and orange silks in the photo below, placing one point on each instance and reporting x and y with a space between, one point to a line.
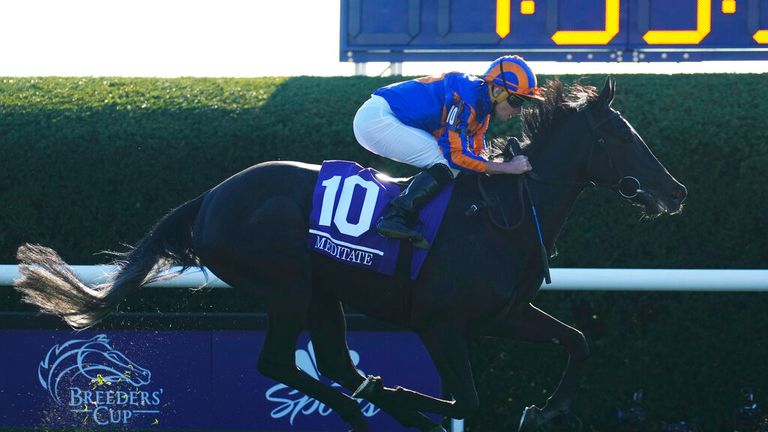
454 107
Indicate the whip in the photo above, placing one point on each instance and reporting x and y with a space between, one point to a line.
516 150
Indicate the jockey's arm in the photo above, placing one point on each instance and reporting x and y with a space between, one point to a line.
461 149
460 141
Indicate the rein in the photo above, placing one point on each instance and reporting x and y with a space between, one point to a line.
489 201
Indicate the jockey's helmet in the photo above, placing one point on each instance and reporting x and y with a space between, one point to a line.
513 74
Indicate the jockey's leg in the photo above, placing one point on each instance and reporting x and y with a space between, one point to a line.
328 329
402 214
531 324
379 130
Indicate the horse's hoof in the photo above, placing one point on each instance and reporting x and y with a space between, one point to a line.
368 387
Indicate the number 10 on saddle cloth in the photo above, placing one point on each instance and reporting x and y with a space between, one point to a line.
347 201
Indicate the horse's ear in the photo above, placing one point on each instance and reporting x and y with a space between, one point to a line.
606 94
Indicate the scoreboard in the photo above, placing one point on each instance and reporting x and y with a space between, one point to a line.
554 30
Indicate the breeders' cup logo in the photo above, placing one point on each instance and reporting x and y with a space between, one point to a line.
91 377
292 403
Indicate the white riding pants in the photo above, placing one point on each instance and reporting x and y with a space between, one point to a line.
379 131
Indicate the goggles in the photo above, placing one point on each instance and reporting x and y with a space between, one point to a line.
514 100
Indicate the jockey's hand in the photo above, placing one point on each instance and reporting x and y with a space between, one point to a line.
518 165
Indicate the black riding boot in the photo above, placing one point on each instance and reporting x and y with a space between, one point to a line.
402 214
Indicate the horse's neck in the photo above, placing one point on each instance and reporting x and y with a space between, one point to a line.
553 209
560 162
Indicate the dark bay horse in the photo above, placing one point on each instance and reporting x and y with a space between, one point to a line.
479 278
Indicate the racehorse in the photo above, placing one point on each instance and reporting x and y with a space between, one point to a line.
479 278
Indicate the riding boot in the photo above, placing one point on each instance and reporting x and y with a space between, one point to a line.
402 213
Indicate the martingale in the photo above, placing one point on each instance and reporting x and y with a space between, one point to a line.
347 201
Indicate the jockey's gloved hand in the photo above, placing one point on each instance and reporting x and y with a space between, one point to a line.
518 165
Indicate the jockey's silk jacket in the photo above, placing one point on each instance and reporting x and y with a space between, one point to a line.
454 107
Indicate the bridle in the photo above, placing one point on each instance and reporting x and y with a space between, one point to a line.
627 186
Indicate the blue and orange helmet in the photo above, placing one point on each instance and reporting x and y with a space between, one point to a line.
513 74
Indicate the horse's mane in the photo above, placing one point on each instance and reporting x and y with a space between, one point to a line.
560 100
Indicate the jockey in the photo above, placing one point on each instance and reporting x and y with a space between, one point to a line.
438 124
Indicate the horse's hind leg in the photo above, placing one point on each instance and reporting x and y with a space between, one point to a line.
534 325
328 329
270 257
287 305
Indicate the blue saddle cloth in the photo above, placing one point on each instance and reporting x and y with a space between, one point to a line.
347 201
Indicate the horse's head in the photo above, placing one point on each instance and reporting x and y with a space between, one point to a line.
619 157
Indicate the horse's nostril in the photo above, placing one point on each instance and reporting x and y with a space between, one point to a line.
679 193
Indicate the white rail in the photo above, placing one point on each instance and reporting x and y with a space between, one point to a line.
563 279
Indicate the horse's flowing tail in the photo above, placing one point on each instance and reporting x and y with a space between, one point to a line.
50 284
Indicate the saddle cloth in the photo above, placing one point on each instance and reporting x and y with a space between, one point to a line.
347 201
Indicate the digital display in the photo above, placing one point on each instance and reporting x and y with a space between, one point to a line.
554 30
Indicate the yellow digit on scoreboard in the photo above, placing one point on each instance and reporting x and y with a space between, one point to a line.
502 17
760 36
593 37
685 37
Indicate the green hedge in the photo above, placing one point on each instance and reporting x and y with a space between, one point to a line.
91 163
88 164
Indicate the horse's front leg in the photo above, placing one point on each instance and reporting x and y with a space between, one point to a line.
531 324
